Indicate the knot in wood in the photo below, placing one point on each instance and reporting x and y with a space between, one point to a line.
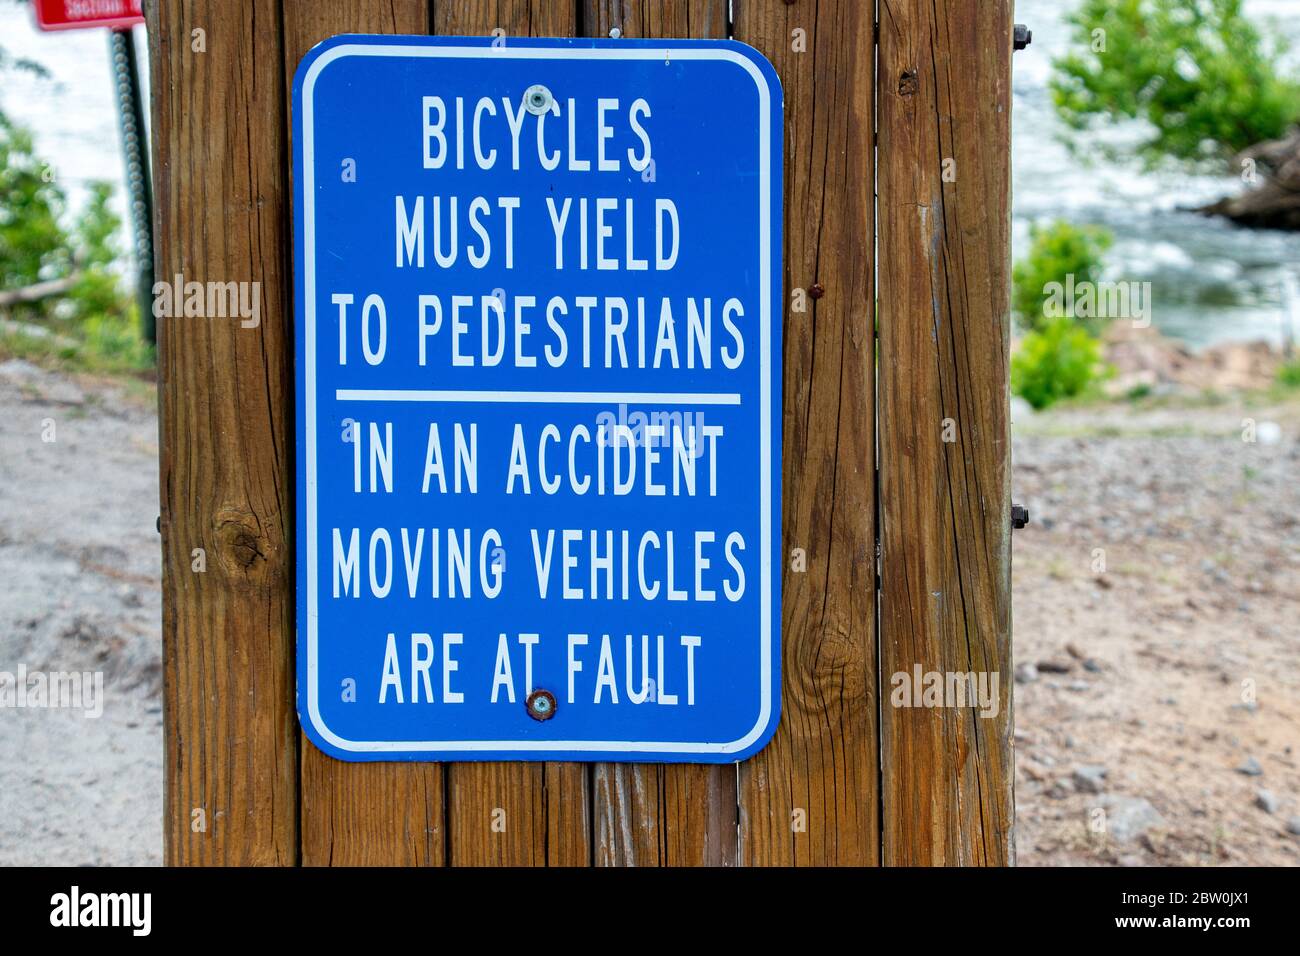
243 545
244 549
908 83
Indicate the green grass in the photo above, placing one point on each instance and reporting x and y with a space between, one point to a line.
1288 376
101 345
1075 429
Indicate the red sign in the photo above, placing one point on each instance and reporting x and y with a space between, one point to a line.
75 14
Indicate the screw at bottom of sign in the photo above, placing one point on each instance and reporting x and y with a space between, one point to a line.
541 705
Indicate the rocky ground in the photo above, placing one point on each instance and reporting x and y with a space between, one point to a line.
1156 603
1157 635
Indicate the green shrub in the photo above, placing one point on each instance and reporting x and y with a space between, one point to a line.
1061 360
1196 71
33 246
96 313
1288 376
1139 392
1056 251
98 292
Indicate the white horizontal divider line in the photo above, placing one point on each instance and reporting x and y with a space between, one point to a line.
536 398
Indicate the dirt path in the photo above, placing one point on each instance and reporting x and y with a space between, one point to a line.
1163 696
80 563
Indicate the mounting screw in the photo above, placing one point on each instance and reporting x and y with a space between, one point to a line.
1019 516
817 290
615 33
1022 37
541 705
537 99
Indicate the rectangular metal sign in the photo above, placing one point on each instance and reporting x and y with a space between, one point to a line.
538 299
77 14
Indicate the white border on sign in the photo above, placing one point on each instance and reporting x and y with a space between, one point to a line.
765 392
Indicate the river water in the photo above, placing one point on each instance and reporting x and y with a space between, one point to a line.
1210 280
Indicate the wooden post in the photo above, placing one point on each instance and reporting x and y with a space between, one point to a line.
848 778
944 186
225 396
811 797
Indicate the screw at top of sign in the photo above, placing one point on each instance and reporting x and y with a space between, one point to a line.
537 99
615 33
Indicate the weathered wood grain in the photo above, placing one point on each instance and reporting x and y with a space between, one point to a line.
225 396
676 814
523 814
811 796
518 18
944 84
363 814
699 19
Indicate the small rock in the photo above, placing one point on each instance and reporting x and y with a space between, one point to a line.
1266 800
1055 667
1059 790
1078 685
1148 843
1090 779
1026 673
1092 666
1073 651
1250 767
1127 818
1028 770
1293 826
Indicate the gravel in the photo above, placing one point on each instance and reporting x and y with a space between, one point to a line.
80 559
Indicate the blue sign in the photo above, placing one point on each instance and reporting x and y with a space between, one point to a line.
538 299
